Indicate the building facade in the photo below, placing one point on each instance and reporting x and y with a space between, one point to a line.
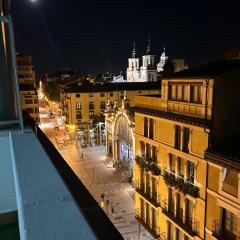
26 72
82 103
172 133
29 100
223 191
120 140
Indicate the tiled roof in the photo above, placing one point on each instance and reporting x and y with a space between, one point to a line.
212 69
227 152
174 116
110 87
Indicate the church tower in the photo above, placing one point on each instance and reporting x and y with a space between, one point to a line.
148 69
162 62
133 67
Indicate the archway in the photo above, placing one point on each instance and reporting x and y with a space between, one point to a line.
124 141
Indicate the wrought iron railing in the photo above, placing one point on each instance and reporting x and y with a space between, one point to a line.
148 165
221 233
148 193
174 180
185 222
150 227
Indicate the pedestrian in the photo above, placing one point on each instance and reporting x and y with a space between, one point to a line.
112 210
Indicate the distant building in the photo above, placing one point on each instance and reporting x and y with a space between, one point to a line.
27 85
82 102
149 69
26 72
231 54
179 64
29 100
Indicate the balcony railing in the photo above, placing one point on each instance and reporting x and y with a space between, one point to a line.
150 195
151 228
174 180
185 222
148 165
222 234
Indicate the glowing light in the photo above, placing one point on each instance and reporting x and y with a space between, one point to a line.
33 0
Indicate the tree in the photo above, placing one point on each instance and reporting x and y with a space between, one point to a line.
52 91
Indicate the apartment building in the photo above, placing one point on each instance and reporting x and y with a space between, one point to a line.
172 132
223 190
29 100
81 103
26 72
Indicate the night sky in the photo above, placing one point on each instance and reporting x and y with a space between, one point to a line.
96 36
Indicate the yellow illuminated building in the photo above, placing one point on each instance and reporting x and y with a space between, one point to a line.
172 132
223 191
81 103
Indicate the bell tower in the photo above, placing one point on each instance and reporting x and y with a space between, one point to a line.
133 67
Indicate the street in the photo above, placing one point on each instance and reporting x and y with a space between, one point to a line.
99 177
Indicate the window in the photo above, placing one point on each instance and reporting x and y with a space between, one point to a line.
78 106
142 148
148 150
91 114
151 128
196 93
230 181
172 162
190 171
28 101
186 133
90 94
91 105
154 153
36 110
29 110
102 105
102 95
36 101
189 212
180 170
177 140
78 115
77 95
145 127
229 223
111 94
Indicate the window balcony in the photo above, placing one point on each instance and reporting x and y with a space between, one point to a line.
151 228
174 180
147 193
177 216
222 234
148 165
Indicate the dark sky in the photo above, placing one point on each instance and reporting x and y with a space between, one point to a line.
97 35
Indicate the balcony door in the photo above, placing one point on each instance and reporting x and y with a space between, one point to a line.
188 213
229 223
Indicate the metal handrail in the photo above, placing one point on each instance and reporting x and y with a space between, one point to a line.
147 191
179 217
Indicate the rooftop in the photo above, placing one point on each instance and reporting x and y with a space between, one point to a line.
212 69
173 116
110 87
226 153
